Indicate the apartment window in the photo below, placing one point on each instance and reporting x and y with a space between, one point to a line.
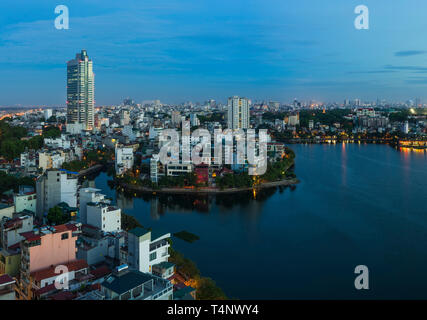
64 236
153 256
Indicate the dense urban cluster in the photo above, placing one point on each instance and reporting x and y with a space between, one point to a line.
54 223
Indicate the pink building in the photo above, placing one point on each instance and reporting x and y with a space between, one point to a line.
44 248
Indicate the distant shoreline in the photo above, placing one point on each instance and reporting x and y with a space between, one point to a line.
208 190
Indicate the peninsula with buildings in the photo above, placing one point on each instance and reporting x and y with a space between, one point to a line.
63 240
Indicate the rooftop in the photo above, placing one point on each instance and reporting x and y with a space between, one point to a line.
6 279
50 272
164 265
126 281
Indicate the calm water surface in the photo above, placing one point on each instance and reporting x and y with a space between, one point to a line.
356 204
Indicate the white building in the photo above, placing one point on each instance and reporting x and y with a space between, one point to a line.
124 159
51 160
104 216
154 168
195 122
54 187
60 142
27 159
10 231
238 113
87 195
47 113
146 249
25 201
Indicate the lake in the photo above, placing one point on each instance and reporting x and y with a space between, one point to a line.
357 204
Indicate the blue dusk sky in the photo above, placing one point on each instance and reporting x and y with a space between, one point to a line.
193 50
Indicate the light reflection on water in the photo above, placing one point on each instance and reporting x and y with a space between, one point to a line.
356 204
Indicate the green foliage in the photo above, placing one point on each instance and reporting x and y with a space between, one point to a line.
8 182
208 290
186 236
12 145
213 117
184 265
188 179
129 222
75 165
56 216
399 116
51 132
328 118
237 180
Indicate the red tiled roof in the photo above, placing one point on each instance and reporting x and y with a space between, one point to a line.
11 222
46 289
64 295
6 279
89 226
15 246
101 272
50 272
65 227
30 236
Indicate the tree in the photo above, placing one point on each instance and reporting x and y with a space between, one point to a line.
208 290
129 222
56 216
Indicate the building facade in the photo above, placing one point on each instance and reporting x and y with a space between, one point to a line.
80 91
54 187
238 113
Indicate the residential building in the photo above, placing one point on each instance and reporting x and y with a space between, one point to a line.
238 113
43 248
7 284
123 159
164 269
80 91
51 160
96 246
11 230
88 195
154 168
124 117
54 187
146 249
25 201
175 170
176 118
125 284
6 211
104 216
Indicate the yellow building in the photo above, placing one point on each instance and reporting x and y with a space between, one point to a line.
10 262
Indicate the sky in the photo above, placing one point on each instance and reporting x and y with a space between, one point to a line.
194 50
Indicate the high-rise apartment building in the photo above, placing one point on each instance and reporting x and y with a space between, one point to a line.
238 113
80 91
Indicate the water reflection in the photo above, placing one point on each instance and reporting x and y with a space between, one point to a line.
160 204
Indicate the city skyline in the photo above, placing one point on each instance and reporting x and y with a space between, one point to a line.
192 51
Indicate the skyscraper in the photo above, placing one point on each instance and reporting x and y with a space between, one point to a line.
80 91
238 113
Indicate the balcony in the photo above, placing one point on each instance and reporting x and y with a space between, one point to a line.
158 244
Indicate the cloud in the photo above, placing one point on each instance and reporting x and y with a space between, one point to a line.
372 72
409 53
417 69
